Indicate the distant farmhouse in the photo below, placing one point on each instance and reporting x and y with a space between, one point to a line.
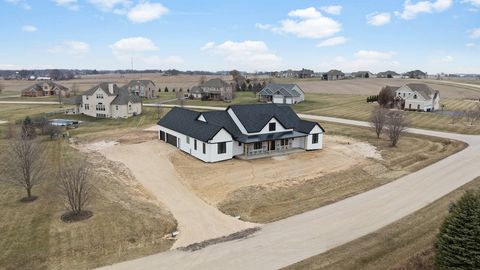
333 75
243 131
281 94
416 74
107 100
46 89
388 74
363 74
141 88
303 73
415 97
214 89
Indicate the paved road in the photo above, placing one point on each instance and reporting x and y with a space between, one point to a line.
30 102
290 240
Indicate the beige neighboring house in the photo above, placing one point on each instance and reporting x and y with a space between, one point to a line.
46 89
416 97
214 89
142 88
107 100
333 75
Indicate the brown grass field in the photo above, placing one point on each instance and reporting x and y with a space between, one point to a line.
127 222
406 244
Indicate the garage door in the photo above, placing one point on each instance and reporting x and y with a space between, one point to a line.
172 140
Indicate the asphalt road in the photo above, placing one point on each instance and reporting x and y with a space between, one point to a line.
293 239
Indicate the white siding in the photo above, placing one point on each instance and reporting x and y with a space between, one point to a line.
310 145
265 129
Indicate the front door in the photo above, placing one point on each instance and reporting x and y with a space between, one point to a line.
272 145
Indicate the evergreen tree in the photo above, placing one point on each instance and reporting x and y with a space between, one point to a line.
244 86
458 243
166 89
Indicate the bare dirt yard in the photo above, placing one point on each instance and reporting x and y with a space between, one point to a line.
149 163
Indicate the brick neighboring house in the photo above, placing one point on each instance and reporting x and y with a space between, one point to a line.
334 75
107 100
141 88
46 89
214 89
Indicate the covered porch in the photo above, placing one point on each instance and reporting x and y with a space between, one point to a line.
265 145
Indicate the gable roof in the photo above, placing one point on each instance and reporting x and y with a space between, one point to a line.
222 118
185 121
196 90
215 83
104 87
142 82
39 86
424 90
335 72
282 89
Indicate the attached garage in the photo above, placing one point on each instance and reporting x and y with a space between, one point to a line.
172 140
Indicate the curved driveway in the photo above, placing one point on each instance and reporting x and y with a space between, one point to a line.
290 240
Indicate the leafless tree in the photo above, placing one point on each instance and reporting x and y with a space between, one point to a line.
74 89
377 120
75 185
386 96
25 164
180 97
396 123
203 79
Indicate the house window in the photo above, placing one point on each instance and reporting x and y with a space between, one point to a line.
195 144
188 140
271 127
87 107
314 138
87 97
283 142
418 107
204 148
222 148
100 107
100 96
414 96
239 144
257 145
116 107
101 115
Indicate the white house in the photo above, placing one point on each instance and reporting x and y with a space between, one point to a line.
281 93
107 100
418 97
243 131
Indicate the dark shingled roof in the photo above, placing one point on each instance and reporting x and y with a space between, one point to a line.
215 83
39 86
426 91
253 117
185 121
103 86
142 82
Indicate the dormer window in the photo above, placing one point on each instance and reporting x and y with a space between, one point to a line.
272 126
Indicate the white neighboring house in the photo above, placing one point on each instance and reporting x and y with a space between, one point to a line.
107 100
417 97
281 94
243 131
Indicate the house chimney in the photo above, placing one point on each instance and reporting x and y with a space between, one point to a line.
110 88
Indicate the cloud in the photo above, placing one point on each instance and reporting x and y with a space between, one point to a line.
474 33
363 60
73 47
249 54
411 10
378 19
470 45
475 3
21 3
133 45
446 59
263 26
335 41
29 28
115 6
70 4
334 10
146 11
306 23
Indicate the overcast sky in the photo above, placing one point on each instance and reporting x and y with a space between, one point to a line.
435 36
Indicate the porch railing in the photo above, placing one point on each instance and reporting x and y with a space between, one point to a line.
265 150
